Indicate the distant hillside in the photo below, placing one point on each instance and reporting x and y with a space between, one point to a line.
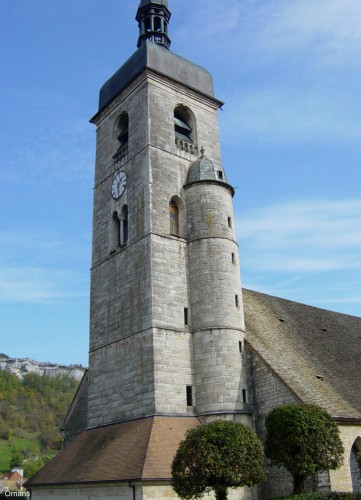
32 410
22 366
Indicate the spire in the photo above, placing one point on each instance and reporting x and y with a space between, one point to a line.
153 18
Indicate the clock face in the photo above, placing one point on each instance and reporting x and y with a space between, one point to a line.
119 184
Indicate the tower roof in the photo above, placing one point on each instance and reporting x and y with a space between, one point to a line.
206 169
155 57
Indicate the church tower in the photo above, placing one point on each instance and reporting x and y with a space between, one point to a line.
166 306
166 319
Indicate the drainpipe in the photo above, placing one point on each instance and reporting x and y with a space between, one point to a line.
132 486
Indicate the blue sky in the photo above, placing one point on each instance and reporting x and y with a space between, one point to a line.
289 73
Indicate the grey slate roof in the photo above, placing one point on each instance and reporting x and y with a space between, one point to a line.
153 56
205 169
302 343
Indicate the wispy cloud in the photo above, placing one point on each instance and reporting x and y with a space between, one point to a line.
46 246
304 250
35 285
303 236
307 50
43 267
330 28
327 30
283 114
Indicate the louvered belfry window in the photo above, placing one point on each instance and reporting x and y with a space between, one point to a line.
182 129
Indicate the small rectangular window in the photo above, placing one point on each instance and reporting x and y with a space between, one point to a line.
229 222
189 395
233 258
220 174
236 300
186 315
240 347
244 395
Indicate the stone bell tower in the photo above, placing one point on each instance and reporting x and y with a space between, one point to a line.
166 305
166 319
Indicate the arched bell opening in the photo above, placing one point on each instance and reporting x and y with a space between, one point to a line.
185 129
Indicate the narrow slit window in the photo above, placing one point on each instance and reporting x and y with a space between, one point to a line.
117 229
220 174
186 315
229 222
240 346
125 226
233 258
189 394
244 395
236 300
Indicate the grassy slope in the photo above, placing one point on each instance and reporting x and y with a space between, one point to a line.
5 450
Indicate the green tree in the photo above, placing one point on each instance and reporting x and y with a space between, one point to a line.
17 458
219 455
304 439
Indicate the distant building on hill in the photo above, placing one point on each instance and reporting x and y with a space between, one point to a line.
12 481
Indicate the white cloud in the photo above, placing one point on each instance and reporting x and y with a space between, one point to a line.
290 69
330 28
43 267
32 245
287 114
302 236
36 285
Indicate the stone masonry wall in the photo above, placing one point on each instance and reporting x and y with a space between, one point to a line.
121 380
164 96
267 391
341 478
151 491
85 492
173 369
77 418
219 376
214 275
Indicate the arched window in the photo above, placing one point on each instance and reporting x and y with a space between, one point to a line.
116 230
124 221
122 136
174 218
354 466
